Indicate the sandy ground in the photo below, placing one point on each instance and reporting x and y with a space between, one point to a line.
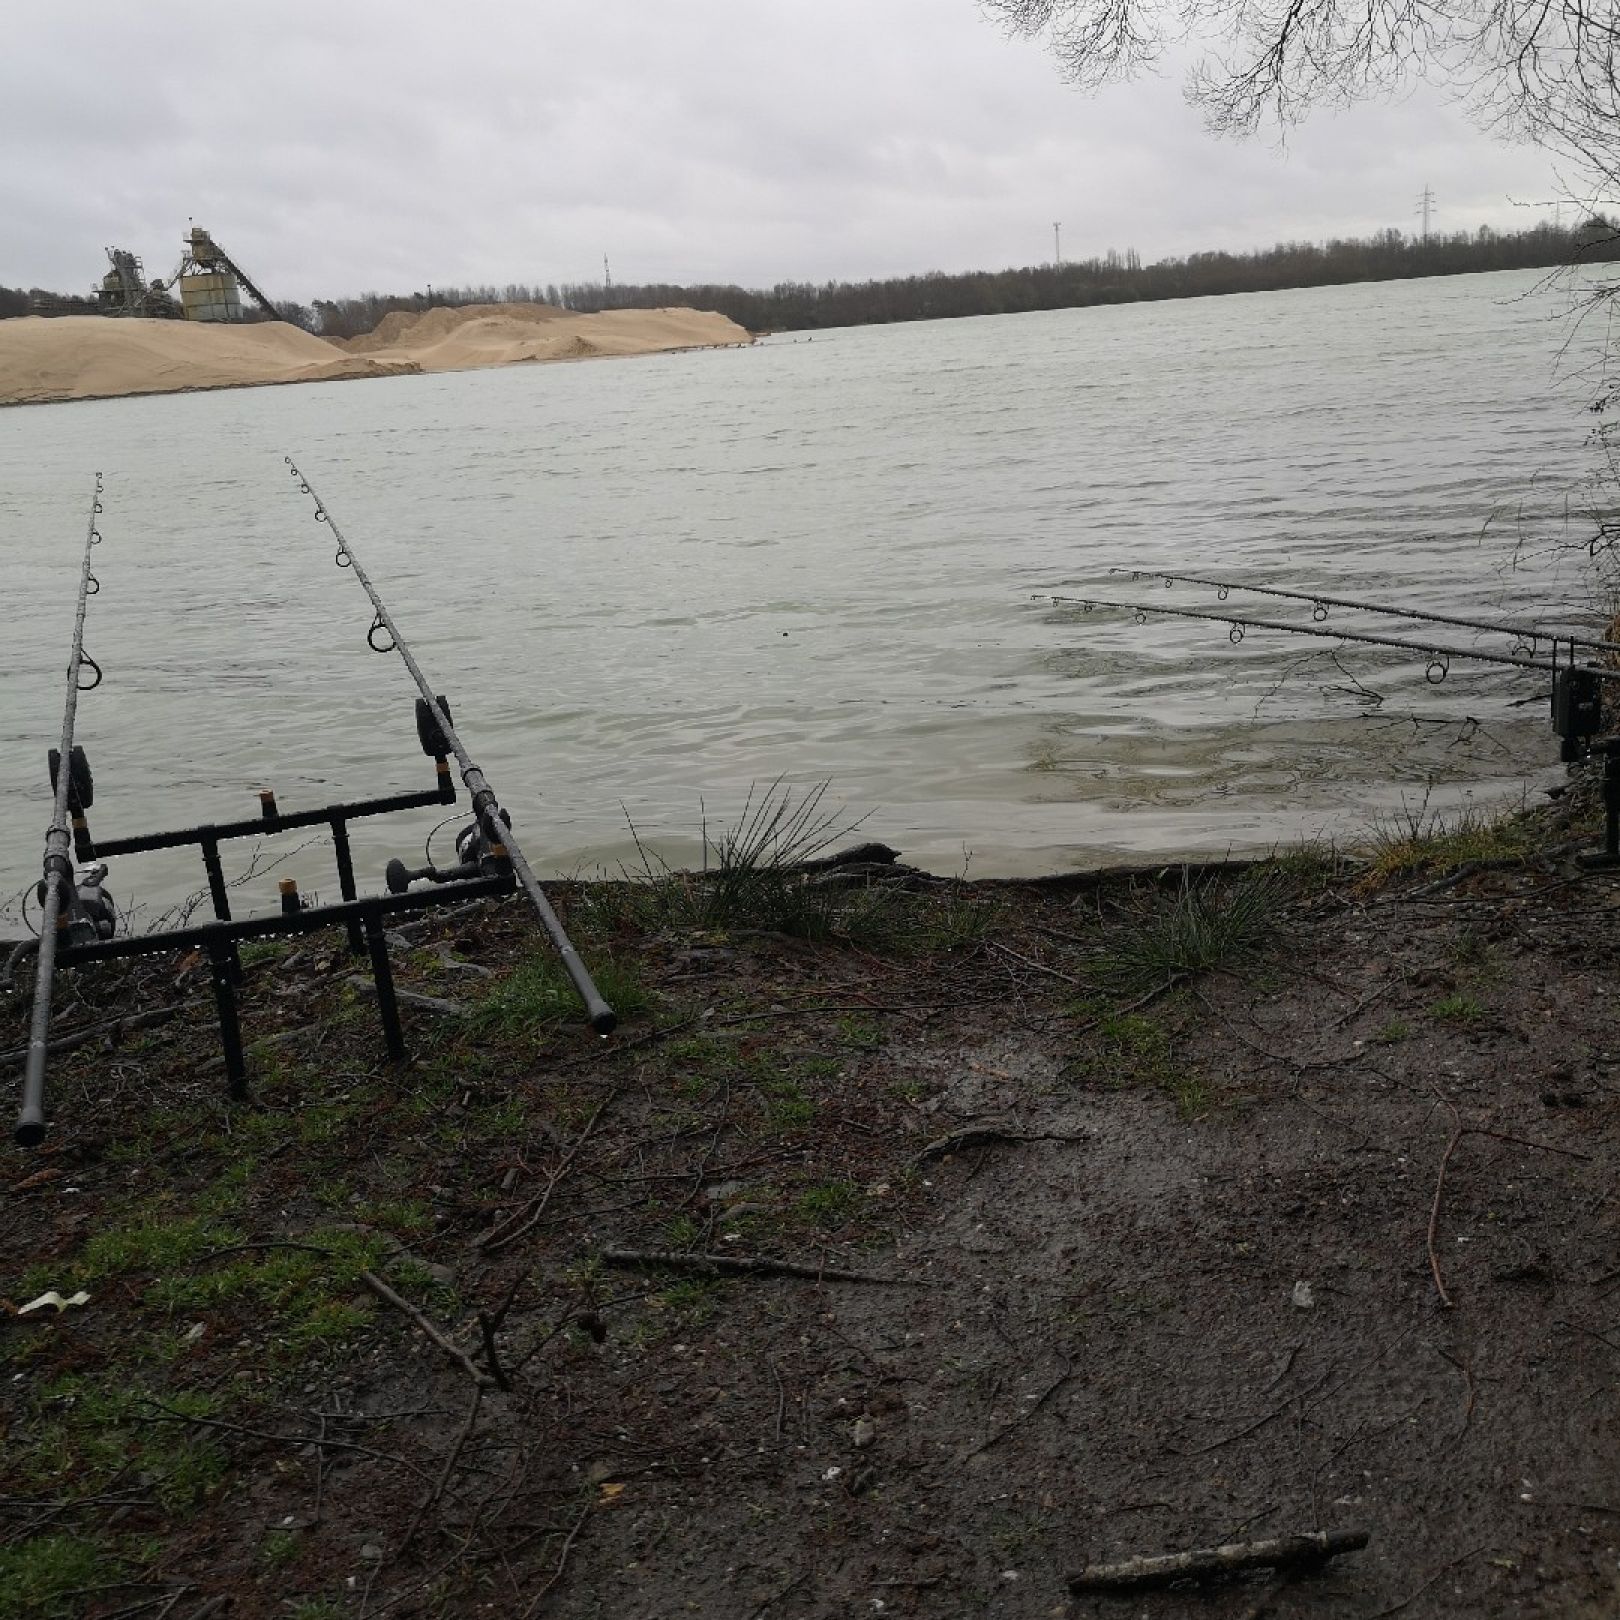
93 357
511 334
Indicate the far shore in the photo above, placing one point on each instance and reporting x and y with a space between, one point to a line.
77 357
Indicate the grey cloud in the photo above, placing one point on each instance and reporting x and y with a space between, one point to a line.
338 147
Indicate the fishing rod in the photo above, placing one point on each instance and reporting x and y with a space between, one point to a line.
1439 657
1577 691
1320 604
433 719
68 909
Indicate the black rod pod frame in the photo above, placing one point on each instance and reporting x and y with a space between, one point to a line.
494 823
62 917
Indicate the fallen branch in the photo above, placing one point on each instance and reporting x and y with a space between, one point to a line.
429 1327
1028 1412
972 1136
529 1216
410 998
112 1027
1457 1134
747 1265
1278 1552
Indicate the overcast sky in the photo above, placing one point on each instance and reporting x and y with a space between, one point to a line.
378 145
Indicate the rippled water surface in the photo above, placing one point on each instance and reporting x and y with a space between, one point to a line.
647 584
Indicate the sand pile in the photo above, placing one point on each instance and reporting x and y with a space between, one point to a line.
511 334
95 356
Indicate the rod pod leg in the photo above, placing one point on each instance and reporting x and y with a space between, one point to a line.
1609 856
224 971
383 974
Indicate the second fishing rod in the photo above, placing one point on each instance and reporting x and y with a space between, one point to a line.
491 818
1528 634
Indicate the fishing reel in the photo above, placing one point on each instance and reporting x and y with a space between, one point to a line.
88 913
477 855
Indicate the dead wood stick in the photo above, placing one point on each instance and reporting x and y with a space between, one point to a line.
529 1216
1028 1412
437 1490
748 1265
1039 967
1457 1134
427 1325
167 1414
972 1136
80 1037
562 1564
1277 1552
410 998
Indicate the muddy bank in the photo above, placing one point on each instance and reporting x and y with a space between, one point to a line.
1115 1221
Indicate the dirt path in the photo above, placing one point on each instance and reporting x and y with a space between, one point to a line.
1184 1281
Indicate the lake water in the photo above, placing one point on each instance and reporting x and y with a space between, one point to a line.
648 584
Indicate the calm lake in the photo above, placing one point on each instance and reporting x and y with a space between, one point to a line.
647 584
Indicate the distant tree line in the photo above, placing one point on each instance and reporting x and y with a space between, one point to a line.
1115 278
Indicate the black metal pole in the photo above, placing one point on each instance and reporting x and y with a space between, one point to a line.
485 805
58 863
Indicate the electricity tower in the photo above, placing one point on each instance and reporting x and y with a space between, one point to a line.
1425 207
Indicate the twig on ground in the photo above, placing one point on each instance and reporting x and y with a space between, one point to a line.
426 1324
431 1499
1361 1006
562 1564
1457 1134
972 1136
486 1326
170 1415
1039 967
410 998
529 1216
1278 1552
1468 1378
747 1265
1024 1416
80 1037
1439 1575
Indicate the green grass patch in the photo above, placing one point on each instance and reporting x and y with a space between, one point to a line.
538 994
786 1106
1395 1031
39 1577
1135 1050
832 1203
1459 1009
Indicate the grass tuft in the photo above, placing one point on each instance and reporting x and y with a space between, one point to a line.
752 875
1203 926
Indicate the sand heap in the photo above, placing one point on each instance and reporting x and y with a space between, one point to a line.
511 334
95 356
